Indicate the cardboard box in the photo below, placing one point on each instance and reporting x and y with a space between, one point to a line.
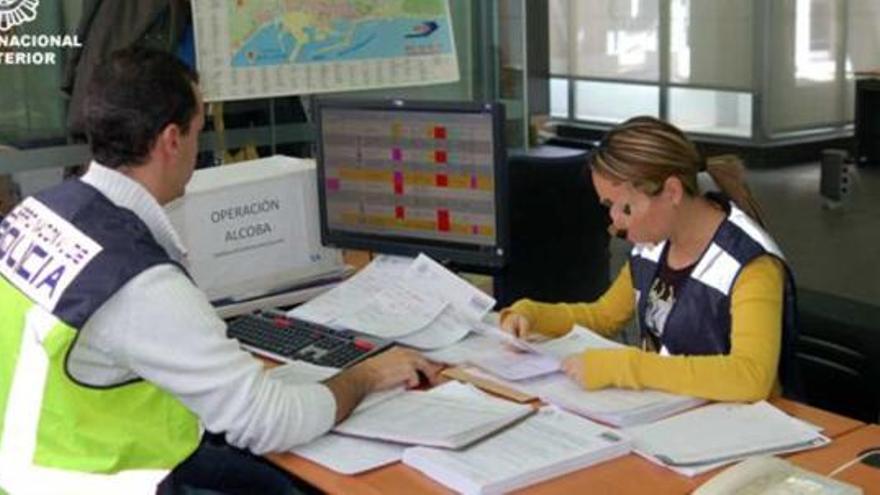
252 228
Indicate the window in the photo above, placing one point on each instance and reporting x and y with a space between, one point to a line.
708 111
615 39
805 85
607 54
613 102
815 40
610 52
710 43
559 98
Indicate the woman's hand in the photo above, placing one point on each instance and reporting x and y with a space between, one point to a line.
516 325
573 367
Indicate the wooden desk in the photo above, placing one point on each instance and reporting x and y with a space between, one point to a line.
627 474
843 449
833 425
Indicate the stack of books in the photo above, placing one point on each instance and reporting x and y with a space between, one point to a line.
546 445
706 438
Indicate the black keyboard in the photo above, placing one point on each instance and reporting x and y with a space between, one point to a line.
290 339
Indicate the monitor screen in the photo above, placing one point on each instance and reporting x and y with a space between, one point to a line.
403 177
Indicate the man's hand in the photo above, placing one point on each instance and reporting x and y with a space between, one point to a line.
389 369
573 367
399 366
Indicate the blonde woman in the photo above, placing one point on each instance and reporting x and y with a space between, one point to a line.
712 295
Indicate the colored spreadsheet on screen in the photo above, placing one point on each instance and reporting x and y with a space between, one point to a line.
411 174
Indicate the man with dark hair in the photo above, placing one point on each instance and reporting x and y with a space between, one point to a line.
130 100
111 361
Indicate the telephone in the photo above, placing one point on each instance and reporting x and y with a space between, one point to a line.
773 476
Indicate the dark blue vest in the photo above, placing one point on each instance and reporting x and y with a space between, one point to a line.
128 247
699 323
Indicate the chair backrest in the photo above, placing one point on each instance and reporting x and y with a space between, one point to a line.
838 353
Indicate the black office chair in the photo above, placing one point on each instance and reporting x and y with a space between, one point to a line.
558 229
838 354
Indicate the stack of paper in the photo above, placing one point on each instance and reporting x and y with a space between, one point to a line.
434 419
520 359
415 302
548 444
717 434
515 365
615 406
534 373
349 296
352 455
470 349
342 454
575 341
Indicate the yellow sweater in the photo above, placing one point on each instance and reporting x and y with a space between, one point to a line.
748 373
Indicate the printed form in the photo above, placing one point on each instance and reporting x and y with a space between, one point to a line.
355 292
416 302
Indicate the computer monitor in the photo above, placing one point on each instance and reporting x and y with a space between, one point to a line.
404 177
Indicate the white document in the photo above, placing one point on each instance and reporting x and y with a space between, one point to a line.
447 329
615 406
467 304
546 445
506 357
537 358
492 330
516 365
418 303
435 419
433 278
349 455
484 342
352 294
393 312
575 341
471 348
718 434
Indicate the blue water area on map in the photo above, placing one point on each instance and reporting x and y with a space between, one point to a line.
349 41
375 39
271 45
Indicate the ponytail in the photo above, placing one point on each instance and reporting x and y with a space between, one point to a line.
646 151
729 173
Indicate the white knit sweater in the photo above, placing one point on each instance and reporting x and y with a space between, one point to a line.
160 327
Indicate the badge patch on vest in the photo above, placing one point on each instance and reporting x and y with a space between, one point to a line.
42 253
